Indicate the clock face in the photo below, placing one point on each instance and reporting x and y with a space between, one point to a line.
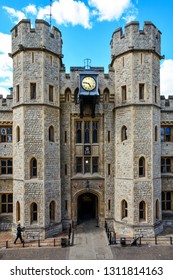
88 83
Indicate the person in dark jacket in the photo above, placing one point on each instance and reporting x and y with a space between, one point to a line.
19 233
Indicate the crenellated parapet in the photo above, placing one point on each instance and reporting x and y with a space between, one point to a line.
133 38
41 37
6 103
166 103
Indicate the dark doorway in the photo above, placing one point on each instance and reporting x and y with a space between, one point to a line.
87 207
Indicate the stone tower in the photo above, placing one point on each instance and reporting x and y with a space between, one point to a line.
37 55
136 62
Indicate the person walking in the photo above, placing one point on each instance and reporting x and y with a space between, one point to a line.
19 233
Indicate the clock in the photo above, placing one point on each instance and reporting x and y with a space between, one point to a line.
88 83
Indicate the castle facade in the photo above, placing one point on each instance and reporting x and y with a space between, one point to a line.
86 145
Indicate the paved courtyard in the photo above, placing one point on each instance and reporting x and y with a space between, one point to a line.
91 243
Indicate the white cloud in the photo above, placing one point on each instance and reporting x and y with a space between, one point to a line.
67 12
30 9
166 77
5 46
14 14
4 91
109 9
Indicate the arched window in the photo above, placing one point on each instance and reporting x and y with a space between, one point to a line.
17 211
124 209
78 132
34 214
76 96
52 211
142 167
33 168
157 209
106 95
51 133
142 210
124 133
67 94
155 133
17 134
95 132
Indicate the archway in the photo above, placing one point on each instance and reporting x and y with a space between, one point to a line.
87 207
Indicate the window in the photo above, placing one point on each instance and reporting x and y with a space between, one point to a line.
109 136
142 167
6 203
17 211
15 32
142 210
67 94
166 201
123 93
65 136
124 209
106 95
165 134
17 93
66 205
34 213
52 211
109 169
32 57
87 165
86 132
155 94
51 133
6 166
124 133
95 132
155 134
79 165
78 132
165 165
33 90
33 168
141 58
123 61
109 205
50 93
65 169
94 164
157 209
141 91
51 60
6 134
17 134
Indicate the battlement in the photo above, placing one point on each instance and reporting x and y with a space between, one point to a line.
6 103
135 39
40 37
166 103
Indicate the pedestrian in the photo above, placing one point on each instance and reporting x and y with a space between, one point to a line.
19 233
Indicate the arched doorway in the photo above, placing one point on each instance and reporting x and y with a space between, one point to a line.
87 207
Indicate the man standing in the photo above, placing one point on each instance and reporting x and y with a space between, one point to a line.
19 233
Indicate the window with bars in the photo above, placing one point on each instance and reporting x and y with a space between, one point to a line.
6 166
6 134
165 165
87 132
165 134
87 165
6 203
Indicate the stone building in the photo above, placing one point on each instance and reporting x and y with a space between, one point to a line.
87 144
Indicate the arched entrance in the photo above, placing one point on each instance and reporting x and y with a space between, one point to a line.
87 207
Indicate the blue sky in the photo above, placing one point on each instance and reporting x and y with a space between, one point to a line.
87 28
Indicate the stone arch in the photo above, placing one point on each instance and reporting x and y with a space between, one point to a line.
124 209
33 213
142 211
124 133
67 94
106 95
100 211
